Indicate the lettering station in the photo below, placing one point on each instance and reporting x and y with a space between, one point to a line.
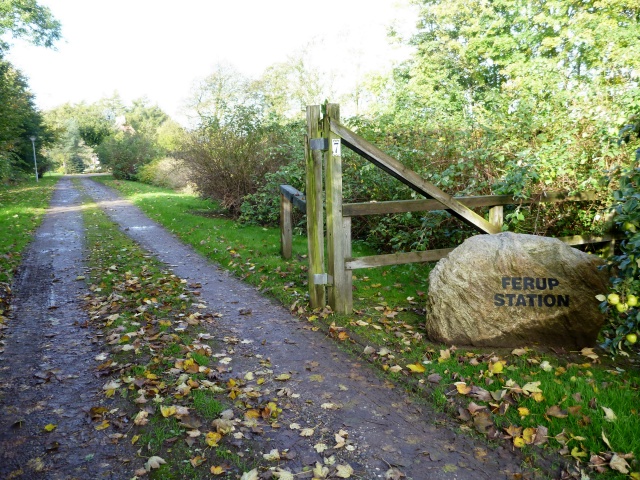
531 296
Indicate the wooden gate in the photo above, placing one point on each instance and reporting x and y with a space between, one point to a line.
323 153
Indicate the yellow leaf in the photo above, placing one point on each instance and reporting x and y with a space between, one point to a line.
168 411
518 442
212 439
496 367
282 377
50 427
103 425
197 461
529 435
538 397
463 388
252 413
444 355
577 453
523 411
134 439
416 368
217 470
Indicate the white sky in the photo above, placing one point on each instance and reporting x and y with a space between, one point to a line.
158 48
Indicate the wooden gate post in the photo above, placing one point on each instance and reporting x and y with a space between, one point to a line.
315 217
340 289
286 227
496 215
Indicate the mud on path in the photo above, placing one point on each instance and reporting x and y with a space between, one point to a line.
45 373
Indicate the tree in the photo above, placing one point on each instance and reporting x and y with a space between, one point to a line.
26 19
18 120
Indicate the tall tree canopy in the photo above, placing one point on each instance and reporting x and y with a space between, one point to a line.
29 20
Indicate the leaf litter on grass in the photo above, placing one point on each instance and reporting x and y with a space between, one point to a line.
161 356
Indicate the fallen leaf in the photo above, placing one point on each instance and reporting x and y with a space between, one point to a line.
154 462
167 411
272 456
394 474
212 438
541 435
462 387
283 474
519 351
50 427
609 416
250 475
283 377
344 471
589 353
556 411
217 470
306 432
531 387
197 461
606 440
416 368
482 421
103 425
546 366
577 453
444 355
320 471
529 435
434 378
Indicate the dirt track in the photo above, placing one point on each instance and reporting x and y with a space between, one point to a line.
45 372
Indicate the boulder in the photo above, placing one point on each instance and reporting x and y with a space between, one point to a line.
509 290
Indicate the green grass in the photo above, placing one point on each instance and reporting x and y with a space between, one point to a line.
389 313
207 404
22 207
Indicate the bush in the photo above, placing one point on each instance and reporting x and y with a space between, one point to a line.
126 153
228 162
621 305
164 172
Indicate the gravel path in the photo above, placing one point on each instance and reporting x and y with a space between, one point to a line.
47 368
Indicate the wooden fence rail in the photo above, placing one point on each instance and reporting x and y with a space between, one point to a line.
323 153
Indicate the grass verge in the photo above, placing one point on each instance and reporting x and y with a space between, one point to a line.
21 209
581 406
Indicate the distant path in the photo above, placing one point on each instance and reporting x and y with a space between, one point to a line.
47 368
387 427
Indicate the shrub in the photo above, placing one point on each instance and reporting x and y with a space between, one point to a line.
621 305
228 162
125 153
164 172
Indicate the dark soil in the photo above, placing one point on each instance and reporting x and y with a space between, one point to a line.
46 371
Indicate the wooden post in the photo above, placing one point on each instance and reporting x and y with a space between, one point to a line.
286 228
336 250
496 215
348 280
315 217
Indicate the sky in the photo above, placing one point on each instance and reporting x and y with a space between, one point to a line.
159 48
